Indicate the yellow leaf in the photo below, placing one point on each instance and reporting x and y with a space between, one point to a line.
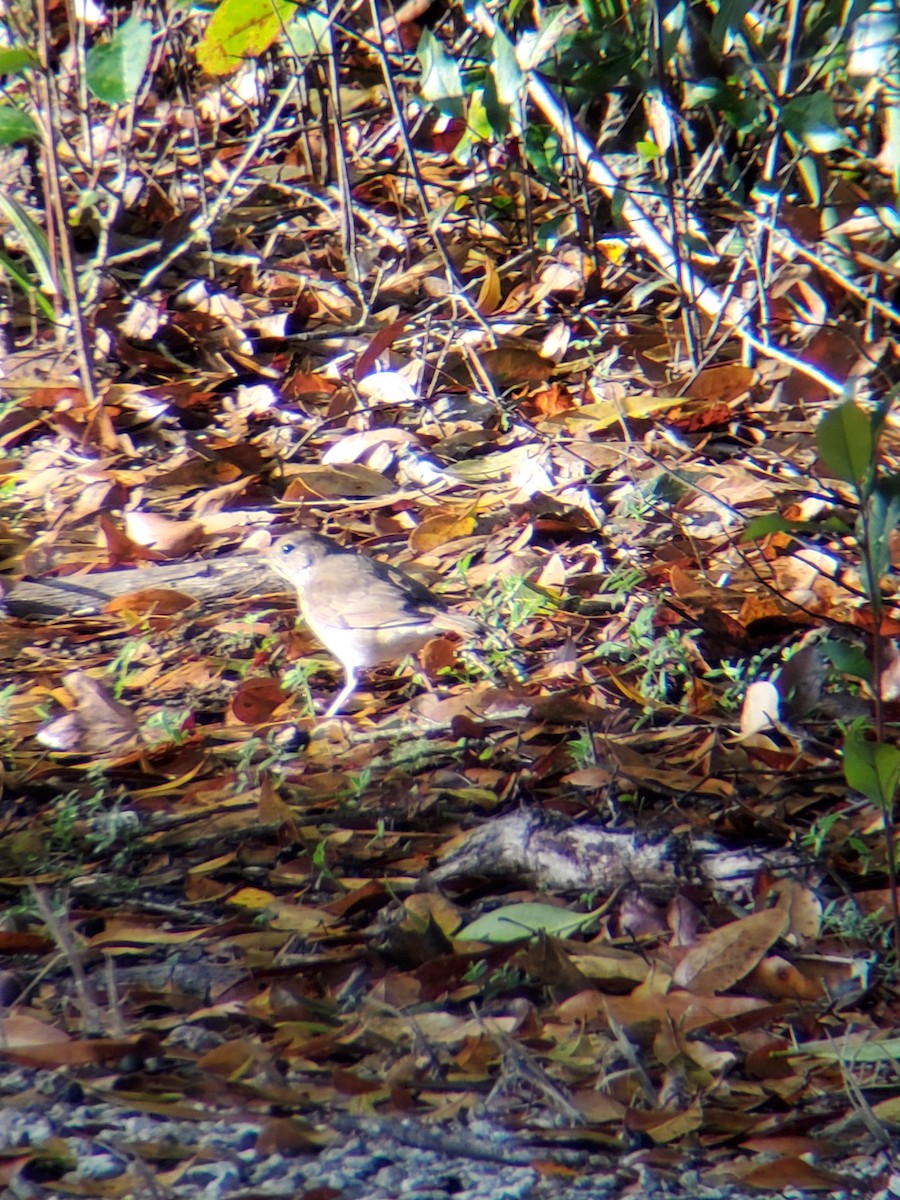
250 897
241 29
490 295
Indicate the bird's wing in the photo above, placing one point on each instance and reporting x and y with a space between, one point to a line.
353 592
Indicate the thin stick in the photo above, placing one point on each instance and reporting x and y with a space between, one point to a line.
55 204
733 312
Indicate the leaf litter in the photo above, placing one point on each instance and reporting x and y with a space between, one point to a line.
531 436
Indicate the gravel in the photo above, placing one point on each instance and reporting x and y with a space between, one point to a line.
106 1149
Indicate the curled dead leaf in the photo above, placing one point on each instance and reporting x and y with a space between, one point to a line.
97 723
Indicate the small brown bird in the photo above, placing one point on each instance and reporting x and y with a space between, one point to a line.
362 610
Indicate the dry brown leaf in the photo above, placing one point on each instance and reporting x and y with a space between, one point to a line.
608 412
432 906
377 448
666 1126
724 384
172 538
760 710
802 905
347 481
476 703
98 723
490 293
299 918
124 931
512 365
791 1172
726 955
72 1053
20 1029
777 977
387 388
150 602
255 700
436 531
438 654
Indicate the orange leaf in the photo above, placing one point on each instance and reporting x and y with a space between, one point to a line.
791 1173
156 602
723 384
490 295
255 700
512 365
782 980
435 532
436 655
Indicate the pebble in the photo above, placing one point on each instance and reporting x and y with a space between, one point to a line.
368 1163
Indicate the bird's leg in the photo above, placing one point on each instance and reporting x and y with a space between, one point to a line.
344 694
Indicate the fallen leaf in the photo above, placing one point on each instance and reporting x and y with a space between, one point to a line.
721 958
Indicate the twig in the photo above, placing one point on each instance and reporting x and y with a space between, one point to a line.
55 205
202 224
380 50
91 1015
734 313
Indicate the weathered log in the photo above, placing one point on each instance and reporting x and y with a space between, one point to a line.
85 595
557 857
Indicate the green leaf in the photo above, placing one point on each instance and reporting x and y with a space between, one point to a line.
593 15
846 442
549 233
504 87
851 1049
33 239
115 68
703 91
553 32
647 150
241 29
871 768
812 172
478 124
505 69
16 126
441 79
514 922
884 407
769 523
812 121
15 60
729 19
884 517
498 114
848 659
22 281
543 151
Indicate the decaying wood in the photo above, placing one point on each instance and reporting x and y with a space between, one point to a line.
572 858
85 595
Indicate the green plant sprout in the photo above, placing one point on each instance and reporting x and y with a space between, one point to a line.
121 664
847 439
297 677
167 726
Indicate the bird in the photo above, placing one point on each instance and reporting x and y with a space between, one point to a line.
363 611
